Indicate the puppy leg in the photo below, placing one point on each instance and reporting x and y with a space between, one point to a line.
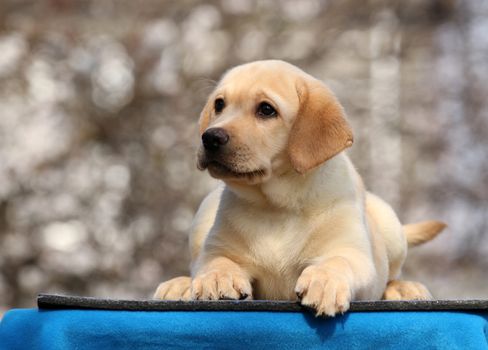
178 288
221 278
406 290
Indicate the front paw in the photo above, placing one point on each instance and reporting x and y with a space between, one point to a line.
175 289
326 291
215 285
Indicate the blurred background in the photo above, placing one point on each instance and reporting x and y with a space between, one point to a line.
98 108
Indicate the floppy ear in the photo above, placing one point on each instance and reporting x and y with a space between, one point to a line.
320 130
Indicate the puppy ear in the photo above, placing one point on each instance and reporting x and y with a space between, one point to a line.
204 120
320 130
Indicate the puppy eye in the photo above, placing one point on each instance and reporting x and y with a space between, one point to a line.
219 105
265 110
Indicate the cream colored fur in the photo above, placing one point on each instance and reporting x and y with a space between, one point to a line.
294 229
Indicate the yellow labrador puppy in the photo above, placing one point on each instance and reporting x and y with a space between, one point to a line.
292 218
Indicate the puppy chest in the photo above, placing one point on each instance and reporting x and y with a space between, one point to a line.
270 235
275 267
273 253
272 250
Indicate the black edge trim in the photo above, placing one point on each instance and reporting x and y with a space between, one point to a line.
54 301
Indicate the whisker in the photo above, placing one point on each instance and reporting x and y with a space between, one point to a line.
205 85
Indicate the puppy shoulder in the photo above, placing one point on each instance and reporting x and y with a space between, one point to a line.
339 179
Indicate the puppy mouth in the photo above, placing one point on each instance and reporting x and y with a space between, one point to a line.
221 170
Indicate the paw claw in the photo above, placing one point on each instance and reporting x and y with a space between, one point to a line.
216 285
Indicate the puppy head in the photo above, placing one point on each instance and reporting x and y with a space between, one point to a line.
268 117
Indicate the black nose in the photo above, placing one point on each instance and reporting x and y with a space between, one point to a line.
213 138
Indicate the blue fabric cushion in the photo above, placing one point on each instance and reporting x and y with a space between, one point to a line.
101 329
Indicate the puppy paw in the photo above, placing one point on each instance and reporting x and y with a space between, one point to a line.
217 285
178 288
406 290
328 292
